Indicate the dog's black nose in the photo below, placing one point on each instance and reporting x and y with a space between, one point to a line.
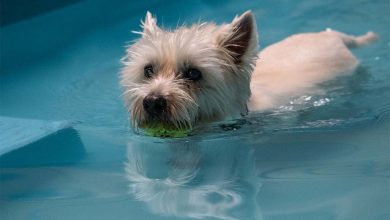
154 104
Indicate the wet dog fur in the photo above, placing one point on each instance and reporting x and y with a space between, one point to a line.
208 72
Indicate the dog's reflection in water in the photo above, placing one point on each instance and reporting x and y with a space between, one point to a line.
194 180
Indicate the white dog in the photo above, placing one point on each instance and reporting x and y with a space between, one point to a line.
207 72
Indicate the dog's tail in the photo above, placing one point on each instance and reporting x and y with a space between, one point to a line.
356 41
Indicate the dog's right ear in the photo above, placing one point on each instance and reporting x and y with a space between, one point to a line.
149 25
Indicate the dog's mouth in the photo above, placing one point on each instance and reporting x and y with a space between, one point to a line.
161 125
164 120
158 128
164 116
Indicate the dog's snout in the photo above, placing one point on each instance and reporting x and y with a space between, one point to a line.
154 104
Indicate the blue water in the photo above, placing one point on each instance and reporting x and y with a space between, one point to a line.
317 157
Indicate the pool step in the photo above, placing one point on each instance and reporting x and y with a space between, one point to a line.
29 142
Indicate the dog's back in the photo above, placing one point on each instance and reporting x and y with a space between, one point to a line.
299 62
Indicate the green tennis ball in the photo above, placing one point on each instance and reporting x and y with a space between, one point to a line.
160 130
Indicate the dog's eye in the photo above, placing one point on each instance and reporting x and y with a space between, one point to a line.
148 71
193 74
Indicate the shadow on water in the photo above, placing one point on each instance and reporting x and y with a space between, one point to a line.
194 179
12 12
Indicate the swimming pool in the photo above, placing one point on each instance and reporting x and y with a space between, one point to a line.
71 153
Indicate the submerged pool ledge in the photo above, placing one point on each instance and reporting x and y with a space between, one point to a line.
28 142
16 133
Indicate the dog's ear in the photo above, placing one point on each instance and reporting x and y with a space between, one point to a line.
240 41
149 25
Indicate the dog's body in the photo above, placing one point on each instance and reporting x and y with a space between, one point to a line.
296 64
208 72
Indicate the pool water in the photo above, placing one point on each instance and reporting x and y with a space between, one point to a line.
323 156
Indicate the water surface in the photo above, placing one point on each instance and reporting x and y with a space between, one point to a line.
323 156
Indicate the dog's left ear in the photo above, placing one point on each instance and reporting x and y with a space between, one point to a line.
150 25
241 41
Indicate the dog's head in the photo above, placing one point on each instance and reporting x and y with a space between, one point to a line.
196 73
